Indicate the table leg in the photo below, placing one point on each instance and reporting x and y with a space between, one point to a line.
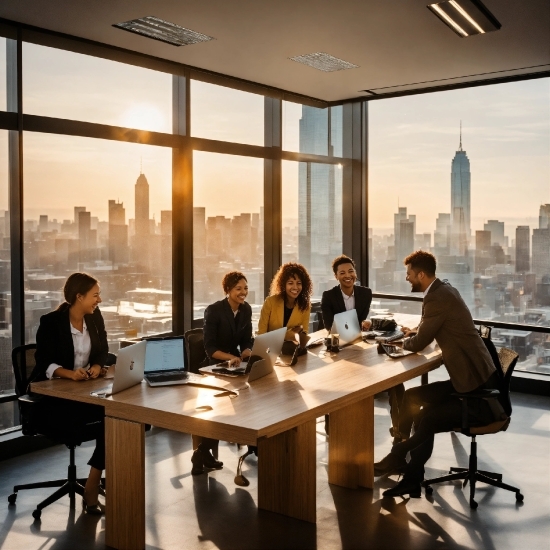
125 480
286 472
351 445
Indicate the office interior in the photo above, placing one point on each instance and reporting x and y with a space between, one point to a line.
256 135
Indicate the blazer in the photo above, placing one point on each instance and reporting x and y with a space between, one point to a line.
54 342
447 320
332 302
223 332
273 314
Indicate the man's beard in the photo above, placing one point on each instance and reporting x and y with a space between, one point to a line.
415 287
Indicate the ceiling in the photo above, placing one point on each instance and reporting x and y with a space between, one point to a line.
399 45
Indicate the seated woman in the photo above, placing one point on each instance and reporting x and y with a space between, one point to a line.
71 342
227 334
289 302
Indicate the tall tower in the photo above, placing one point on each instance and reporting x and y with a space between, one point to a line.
460 201
142 206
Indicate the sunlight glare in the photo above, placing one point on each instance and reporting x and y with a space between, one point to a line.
144 116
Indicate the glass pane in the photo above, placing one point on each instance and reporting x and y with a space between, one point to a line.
7 381
68 85
105 215
3 100
228 227
224 114
305 129
312 219
469 174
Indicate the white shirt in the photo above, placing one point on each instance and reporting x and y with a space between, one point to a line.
349 301
82 348
428 289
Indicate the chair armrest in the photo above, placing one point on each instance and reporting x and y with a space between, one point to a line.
478 394
27 398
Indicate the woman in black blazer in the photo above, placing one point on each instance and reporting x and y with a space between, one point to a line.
227 333
71 343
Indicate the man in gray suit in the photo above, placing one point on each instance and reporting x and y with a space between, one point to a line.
432 408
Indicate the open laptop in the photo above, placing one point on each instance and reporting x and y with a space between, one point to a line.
346 325
164 364
265 351
130 365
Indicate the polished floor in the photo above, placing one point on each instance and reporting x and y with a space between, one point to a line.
210 511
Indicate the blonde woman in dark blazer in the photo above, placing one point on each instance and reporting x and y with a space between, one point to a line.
289 302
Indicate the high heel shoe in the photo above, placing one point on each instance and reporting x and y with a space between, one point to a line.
97 509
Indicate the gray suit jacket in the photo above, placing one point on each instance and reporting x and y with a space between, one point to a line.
447 320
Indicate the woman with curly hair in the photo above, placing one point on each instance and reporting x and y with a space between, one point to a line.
289 302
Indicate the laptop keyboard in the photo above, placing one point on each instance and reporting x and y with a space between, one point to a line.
174 377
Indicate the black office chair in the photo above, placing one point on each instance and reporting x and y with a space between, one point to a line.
29 407
194 349
505 361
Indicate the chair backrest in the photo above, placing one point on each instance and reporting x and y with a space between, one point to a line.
194 348
23 363
505 361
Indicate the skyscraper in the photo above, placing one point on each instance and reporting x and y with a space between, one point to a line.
142 206
544 216
522 249
118 233
460 201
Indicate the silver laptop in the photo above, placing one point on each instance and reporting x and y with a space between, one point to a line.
164 363
130 365
267 347
347 327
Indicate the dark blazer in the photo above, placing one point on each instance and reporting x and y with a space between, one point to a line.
54 342
332 302
222 332
447 320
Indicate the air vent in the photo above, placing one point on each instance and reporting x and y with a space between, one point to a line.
323 62
158 29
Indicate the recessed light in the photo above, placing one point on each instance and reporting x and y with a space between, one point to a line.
323 62
158 29
465 17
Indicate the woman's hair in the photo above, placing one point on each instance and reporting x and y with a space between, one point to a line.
286 272
230 280
78 283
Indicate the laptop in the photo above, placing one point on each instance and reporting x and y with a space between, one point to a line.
164 364
130 364
265 351
346 325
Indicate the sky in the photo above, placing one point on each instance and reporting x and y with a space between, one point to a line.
412 140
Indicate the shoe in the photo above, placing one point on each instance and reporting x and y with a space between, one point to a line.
97 509
210 462
404 487
198 464
390 464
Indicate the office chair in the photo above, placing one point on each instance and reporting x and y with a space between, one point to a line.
29 406
194 349
505 361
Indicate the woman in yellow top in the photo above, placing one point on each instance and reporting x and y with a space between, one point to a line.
289 301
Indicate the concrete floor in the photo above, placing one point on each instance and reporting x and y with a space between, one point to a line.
210 511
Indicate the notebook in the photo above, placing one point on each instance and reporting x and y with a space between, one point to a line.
265 351
395 351
347 327
164 364
130 365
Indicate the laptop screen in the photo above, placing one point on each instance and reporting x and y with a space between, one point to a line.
164 355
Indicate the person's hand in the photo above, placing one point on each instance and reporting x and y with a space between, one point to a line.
94 371
234 361
80 374
366 324
409 332
246 354
297 329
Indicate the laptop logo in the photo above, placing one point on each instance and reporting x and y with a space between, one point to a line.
346 325
132 365
267 350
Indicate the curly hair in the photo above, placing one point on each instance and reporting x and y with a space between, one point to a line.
422 261
284 273
230 280
339 260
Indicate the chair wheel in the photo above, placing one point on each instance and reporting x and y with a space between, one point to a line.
519 497
36 514
473 504
429 489
12 498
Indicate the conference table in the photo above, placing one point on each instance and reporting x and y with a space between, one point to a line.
277 413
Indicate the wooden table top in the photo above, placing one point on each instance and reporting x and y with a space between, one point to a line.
319 383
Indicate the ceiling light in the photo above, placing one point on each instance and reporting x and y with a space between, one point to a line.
158 29
465 17
323 62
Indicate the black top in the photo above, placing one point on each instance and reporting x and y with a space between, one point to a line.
226 332
332 302
286 316
54 342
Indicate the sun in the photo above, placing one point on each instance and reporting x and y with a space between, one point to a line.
144 116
